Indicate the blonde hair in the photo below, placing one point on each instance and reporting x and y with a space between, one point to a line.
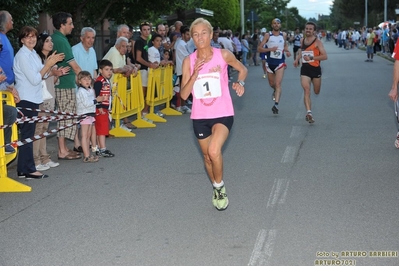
200 21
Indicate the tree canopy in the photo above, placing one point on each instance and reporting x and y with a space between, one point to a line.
132 12
344 13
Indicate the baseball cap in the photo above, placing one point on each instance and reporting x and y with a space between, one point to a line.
263 30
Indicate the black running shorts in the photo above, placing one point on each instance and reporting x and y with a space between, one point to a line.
310 71
203 127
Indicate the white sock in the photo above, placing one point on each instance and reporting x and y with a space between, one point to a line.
309 111
218 185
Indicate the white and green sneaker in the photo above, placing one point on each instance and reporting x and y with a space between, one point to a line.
220 200
214 197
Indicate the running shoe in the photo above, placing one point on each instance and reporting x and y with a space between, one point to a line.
309 118
42 167
123 126
52 164
143 114
9 149
214 197
105 153
397 140
184 109
275 110
160 114
221 198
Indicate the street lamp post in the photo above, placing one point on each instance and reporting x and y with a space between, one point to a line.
252 19
385 11
365 15
242 17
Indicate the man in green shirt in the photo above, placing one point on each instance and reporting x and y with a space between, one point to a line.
65 91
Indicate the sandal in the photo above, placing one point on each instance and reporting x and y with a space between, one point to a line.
70 157
90 159
73 153
78 149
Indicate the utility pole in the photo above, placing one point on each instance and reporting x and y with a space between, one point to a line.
385 11
365 15
242 17
252 19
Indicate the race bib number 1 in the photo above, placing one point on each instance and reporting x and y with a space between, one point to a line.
207 86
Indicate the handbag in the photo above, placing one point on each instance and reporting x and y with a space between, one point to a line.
46 93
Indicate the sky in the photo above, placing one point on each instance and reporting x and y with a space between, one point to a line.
311 8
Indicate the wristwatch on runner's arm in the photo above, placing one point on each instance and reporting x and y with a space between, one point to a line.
242 83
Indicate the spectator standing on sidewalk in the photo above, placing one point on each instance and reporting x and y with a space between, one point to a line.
65 91
370 45
7 77
29 73
86 58
44 48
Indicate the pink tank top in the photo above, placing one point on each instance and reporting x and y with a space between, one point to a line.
211 93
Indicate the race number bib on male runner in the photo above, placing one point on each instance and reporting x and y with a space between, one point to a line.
208 86
309 54
278 54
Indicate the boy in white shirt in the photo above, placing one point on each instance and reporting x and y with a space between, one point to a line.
155 57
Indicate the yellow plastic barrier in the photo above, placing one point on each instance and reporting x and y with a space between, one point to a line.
7 184
127 102
160 91
137 86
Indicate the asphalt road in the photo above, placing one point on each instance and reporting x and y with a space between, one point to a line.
300 194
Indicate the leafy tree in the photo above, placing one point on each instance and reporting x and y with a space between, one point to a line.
93 13
24 13
345 12
226 13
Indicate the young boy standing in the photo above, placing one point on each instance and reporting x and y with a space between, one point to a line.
102 87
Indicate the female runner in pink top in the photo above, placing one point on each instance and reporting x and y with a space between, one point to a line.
205 76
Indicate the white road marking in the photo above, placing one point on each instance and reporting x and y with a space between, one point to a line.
282 198
263 249
265 240
278 193
289 154
295 132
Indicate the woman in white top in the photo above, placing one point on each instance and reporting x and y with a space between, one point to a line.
29 72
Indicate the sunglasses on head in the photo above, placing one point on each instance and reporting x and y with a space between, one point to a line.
145 23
